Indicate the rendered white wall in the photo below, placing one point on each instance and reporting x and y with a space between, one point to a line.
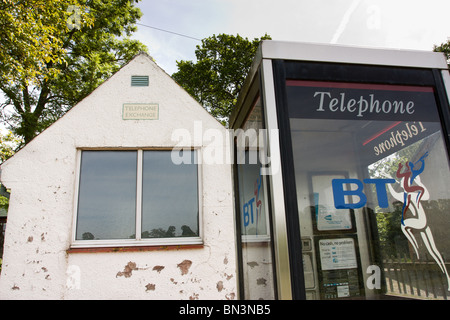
42 179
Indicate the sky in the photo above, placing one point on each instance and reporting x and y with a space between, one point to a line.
398 24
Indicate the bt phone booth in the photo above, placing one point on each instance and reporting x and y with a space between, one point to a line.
341 174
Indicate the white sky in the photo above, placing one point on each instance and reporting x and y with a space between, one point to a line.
402 24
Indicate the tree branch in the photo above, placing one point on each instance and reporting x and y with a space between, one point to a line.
40 106
26 99
12 96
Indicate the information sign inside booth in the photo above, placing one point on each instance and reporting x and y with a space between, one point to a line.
326 218
340 275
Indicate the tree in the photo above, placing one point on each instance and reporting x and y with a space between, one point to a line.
80 47
445 48
8 144
218 75
392 241
29 35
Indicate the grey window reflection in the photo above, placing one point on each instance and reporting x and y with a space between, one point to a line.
169 196
107 195
258 279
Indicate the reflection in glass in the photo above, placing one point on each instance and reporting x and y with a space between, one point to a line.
256 250
251 196
401 225
107 195
413 230
169 196
396 181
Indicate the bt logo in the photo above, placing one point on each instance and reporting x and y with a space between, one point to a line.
339 193
248 206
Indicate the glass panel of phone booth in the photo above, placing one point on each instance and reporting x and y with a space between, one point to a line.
257 276
372 178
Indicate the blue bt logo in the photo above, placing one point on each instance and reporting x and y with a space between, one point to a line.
339 193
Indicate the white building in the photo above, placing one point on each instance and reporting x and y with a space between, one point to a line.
308 203
155 231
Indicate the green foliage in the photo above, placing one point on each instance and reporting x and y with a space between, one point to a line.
4 202
392 241
387 167
9 143
445 48
217 77
88 44
30 37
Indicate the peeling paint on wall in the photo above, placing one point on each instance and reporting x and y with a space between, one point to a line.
184 266
194 296
219 286
230 296
150 287
158 268
261 282
38 261
228 276
128 270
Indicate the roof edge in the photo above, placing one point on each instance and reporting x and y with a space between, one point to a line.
304 51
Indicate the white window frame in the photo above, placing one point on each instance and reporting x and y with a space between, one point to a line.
138 242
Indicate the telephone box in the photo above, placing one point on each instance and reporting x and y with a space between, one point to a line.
341 173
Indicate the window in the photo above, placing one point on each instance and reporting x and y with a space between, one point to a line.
137 197
372 186
257 278
169 197
107 195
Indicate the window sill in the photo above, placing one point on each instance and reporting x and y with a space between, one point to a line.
135 245
134 248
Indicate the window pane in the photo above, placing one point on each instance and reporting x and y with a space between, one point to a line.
372 190
251 196
107 195
169 196
256 240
